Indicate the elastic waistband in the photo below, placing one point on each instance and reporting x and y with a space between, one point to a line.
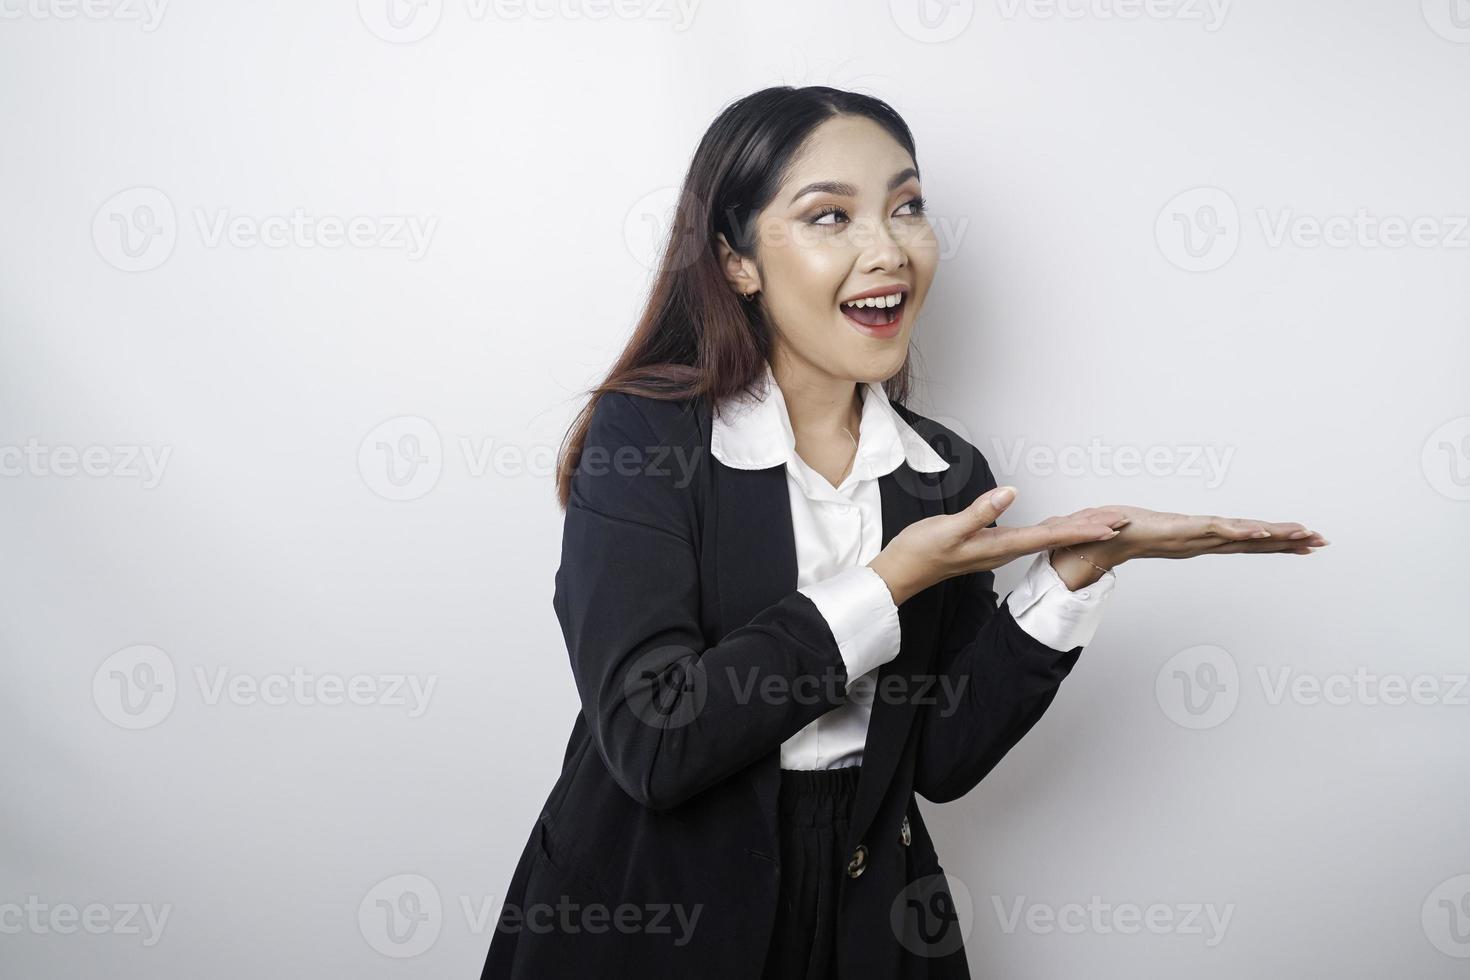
809 784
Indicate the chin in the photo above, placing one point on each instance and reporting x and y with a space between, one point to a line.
880 368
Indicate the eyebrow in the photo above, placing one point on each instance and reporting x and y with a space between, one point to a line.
843 189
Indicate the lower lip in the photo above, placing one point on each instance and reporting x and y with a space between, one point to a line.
885 332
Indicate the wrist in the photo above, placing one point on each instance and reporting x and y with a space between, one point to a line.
1110 554
1072 569
1081 565
902 583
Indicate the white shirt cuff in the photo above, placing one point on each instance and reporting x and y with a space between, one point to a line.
1045 608
859 610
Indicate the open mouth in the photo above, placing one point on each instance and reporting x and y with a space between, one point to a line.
881 311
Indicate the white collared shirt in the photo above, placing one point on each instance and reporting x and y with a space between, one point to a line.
838 530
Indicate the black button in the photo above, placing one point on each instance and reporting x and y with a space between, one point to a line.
859 862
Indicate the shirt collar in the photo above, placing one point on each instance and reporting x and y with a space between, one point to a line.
752 431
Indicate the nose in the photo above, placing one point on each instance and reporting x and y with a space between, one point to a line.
880 249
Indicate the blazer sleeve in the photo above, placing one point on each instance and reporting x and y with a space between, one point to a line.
671 715
1004 678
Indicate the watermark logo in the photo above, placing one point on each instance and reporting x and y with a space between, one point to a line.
400 21
933 916
402 458
135 230
401 916
1198 687
1450 19
932 21
1199 229
648 227
405 458
1445 459
666 688
136 687
1446 916
951 446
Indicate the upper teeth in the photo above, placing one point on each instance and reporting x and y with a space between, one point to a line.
892 299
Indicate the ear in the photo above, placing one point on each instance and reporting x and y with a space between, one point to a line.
739 271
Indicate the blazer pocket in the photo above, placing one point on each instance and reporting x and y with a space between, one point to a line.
558 855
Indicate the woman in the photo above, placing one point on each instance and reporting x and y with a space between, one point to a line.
776 589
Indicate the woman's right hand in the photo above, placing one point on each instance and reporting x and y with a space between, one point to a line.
929 551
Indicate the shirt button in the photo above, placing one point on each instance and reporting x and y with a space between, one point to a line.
859 862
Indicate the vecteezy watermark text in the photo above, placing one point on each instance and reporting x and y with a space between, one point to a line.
143 463
40 918
137 229
1126 918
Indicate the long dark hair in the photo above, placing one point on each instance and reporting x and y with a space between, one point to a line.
696 338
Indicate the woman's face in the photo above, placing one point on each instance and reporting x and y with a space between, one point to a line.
847 220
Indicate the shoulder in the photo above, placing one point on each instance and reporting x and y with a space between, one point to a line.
619 415
643 460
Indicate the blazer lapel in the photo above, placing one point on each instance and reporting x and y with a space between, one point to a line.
755 562
906 499
755 566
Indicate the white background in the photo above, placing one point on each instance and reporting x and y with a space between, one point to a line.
1063 151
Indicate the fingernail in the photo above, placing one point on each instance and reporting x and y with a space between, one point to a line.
1299 534
1004 495
1110 534
1263 533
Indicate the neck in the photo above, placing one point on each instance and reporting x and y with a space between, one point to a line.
821 406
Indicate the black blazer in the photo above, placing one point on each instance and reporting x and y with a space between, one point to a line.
677 590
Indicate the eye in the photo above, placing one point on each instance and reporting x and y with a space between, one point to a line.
918 204
824 212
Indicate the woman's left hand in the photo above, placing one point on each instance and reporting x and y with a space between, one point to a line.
1158 534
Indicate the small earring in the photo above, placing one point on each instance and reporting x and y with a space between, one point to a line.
749 296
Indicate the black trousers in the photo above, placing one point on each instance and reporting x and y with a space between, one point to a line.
814 805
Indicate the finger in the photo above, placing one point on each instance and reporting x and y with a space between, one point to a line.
985 509
1274 529
1012 542
1105 514
1095 515
1202 544
1111 516
1273 547
1235 529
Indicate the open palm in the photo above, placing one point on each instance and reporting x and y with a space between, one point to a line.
1160 534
